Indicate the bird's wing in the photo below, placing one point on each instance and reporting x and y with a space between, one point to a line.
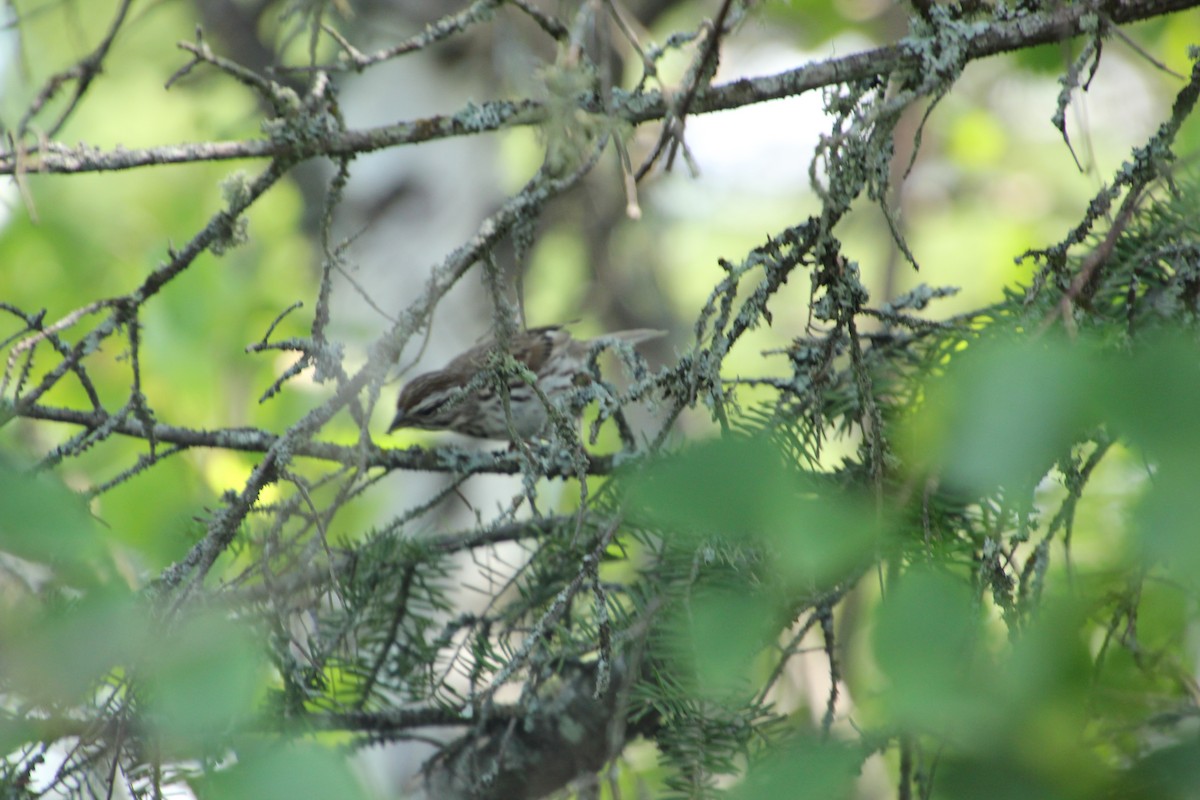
531 347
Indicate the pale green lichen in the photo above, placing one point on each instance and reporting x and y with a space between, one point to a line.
568 131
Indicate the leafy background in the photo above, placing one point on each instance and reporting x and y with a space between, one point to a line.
1065 683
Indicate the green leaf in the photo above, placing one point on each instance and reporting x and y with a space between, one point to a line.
722 486
926 642
1048 663
1170 773
743 488
1001 776
804 769
1151 394
1005 411
282 773
727 630
202 678
1166 520
43 521
57 654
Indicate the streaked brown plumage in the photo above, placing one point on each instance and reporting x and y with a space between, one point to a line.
431 401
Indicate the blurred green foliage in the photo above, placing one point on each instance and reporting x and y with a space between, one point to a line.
57 654
1029 668
44 522
744 488
1015 635
282 772
72 239
203 680
804 768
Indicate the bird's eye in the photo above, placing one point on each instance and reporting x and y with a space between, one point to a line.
425 411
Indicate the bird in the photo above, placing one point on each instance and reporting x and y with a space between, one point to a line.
435 400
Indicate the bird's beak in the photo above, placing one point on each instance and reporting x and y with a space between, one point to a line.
397 422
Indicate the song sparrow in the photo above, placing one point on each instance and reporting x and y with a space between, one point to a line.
432 401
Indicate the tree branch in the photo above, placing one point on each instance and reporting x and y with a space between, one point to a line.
448 459
972 41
